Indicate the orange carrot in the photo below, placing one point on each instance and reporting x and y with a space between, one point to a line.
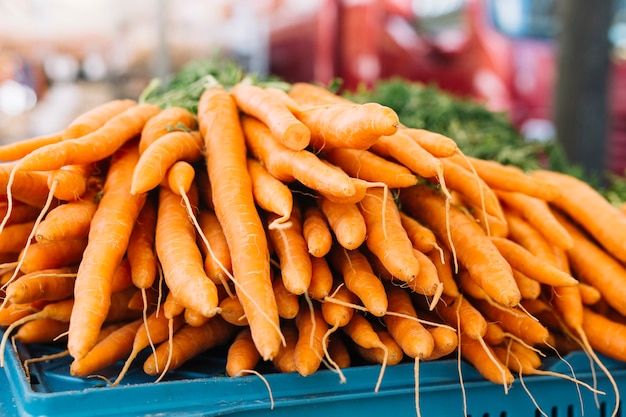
292 252
270 193
284 359
528 236
14 237
370 167
460 313
346 222
180 257
533 266
27 187
321 279
359 277
386 237
407 331
161 155
18 149
435 143
443 263
316 231
288 303
96 117
475 251
340 312
109 232
242 355
427 281
188 342
52 254
107 352
392 354
70 182
50 284
338 351
258 102
445 339
409 153
421 237
509 178
537 212
349 125
41 331
484 360
140 251
68 221
595 266
288 165
13 312
591 210
167 120
217 265
605 335
529 288
92 147
231 187
20 212
232 311
309 349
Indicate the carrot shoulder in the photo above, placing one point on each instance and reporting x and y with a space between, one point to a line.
231 187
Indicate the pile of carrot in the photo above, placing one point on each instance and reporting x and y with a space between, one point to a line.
299 229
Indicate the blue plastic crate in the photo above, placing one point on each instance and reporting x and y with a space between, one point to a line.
200 389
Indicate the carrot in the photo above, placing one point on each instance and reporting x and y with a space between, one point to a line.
537 212
140 251
529 287
309 349
392 355
68 221
27 187
427 281
533 266
107 352
96 117
180 257
12 312
92 147
156 159
232 311
594 266
15 236
605 335
475 251
346 222
484 360
435 143
515 321
121 276
473 188
258 102
590 210
386 237
49 284
231 187
338 351
409 153
316 231
288 303
52 254
588 293
167 120
370 167
321 279
407 331
446 341
359 277
188 342
338 307
292 253
70 182
492 225
284 359
460 313
217 264
442 260
242 355
18 149
109 233
288 165
270 193
313 94
495 334
421 237
20 212
509 178
529 237
349 125
41 331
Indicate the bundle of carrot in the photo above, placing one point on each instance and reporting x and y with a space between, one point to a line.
297 228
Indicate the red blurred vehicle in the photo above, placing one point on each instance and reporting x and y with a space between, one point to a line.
499 51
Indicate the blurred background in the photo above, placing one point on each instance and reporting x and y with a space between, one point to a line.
557 68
